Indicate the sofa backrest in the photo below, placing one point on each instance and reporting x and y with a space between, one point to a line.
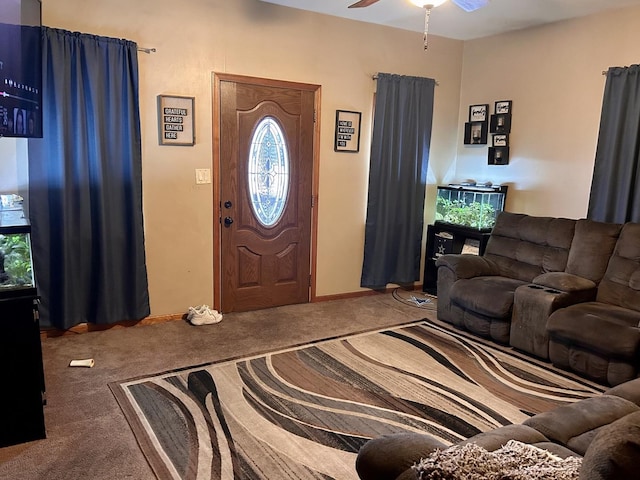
523 246
621 283
591 248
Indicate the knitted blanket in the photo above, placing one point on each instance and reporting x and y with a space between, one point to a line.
514 461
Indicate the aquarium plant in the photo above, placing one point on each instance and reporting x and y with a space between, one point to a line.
474 214
17 260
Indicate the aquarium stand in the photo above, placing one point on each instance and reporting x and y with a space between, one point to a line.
22 400
444 238
23 394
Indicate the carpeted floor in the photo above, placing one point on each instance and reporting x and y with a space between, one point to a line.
304 412
88 437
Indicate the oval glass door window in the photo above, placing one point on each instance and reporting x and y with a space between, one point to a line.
268 172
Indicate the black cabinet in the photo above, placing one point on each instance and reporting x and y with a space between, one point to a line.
22 399
443 238
23 392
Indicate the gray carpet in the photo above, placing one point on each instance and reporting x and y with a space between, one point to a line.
88 436
303 413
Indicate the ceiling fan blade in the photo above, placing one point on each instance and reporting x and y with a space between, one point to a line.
470 5
363 3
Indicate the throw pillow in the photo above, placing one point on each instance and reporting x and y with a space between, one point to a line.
513 461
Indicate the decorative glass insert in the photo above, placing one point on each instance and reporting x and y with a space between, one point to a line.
268 171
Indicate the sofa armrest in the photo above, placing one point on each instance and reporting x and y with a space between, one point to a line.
629 390
573 289
391 457
467 266
614 452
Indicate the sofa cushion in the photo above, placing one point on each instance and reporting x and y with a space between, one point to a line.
491 296
609 330
524 247
621 283
615 451
568 424
595 241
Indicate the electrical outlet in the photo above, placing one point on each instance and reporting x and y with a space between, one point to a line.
203 175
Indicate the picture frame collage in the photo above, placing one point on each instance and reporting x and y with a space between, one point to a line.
480 124
500 129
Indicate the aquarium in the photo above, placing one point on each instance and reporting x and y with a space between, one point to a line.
470 205
16 271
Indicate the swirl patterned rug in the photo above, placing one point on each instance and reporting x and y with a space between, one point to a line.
303 413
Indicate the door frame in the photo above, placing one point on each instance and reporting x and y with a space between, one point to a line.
217 78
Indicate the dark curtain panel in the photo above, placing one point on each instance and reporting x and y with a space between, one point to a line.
397 180
615 188
85 183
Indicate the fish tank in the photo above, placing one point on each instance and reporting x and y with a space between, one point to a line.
16 267
473 206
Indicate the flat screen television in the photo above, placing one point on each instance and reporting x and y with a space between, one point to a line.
20 69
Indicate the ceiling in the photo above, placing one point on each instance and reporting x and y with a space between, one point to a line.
450 21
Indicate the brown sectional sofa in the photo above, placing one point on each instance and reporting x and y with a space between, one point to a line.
563 290
604 430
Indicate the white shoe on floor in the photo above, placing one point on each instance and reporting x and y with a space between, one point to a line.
203 315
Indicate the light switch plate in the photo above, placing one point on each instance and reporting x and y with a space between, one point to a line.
203 175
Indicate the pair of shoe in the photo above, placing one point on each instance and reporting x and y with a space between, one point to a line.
203 315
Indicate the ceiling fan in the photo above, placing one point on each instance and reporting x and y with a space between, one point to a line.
466 5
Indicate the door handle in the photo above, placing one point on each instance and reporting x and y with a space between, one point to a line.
228 204
228 221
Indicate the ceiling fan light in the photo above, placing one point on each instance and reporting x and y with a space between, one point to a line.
427 3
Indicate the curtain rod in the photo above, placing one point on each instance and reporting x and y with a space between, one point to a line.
375 77
146 50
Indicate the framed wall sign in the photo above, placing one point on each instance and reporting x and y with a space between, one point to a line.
503 106
501 140
347 131
478 113
175 120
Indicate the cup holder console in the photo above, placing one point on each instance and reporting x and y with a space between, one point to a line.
548 290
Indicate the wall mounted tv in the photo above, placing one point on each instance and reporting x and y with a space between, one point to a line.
20 68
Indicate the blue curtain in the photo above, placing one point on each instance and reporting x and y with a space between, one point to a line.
615 187
85 183
397 180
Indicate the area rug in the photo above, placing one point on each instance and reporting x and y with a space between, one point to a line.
304 412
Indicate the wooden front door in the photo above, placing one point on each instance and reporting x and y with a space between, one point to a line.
266 164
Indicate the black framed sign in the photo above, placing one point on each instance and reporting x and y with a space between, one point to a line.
347 137
175 120
501 140
503 107
478 113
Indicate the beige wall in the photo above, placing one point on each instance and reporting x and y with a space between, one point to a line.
8 165
14 175
198 37
553 74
